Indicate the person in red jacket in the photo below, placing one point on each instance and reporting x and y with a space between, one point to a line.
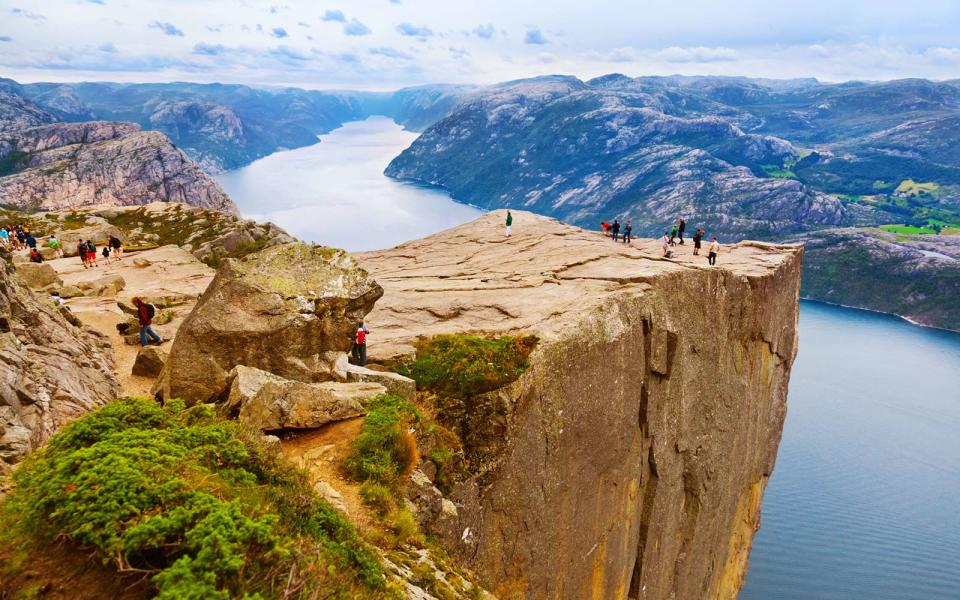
145 317
360 346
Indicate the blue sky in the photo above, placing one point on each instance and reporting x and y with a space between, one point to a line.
384 44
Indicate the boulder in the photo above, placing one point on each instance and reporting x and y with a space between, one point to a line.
70 291
149 361
37 276
270 403
141 263
290 310
395 383
48 253
110 285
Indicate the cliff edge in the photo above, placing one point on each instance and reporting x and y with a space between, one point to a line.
630 458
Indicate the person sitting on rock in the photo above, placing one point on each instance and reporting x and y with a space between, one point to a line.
145 314
35 256
665 242
116 247
360 346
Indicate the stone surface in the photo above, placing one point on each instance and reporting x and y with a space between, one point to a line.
271 403
631 457
50 371
110 285
290 310
395 383
37 276
331 495
149 362
98 233
102 162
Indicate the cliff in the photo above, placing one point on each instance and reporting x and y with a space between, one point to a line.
630 458
67 165
51 371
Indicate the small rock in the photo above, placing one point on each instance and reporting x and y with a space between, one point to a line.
271 441
448 508
149 362
70 291
331 495
142 263
109 285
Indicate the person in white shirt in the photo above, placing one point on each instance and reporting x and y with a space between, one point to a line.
665 243
713 250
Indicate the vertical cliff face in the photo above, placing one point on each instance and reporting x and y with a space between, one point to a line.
632 455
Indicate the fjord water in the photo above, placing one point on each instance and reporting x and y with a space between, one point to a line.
334 193
865 498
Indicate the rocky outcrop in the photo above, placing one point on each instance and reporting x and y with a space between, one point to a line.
149 362
632 454
291 310
50 370
66 165
17 114
37 276
271 403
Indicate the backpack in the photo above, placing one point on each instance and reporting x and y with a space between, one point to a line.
151 310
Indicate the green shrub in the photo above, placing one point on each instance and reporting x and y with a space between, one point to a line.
464 365
385 448
192 498
378 497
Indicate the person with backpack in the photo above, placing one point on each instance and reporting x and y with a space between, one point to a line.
509 224
360 346
145 313
91 250
627 232
681 227
82 253
615 229
31 242
116 246
697 237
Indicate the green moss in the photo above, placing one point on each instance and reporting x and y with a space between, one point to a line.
193 499
461 365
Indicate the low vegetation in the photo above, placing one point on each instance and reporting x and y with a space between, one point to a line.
193 502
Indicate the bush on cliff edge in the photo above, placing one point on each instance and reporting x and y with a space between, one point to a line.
193 500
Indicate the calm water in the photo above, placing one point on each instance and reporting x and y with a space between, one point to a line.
334 193
865 499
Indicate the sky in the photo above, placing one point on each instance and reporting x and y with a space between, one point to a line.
387 44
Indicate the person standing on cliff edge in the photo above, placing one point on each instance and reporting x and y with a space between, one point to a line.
681 227
712 250
360 344
509 222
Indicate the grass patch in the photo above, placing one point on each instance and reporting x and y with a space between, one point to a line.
778 172
462 365
910 187
385 450
195 501
908 230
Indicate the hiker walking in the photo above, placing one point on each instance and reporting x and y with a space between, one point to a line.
697 237
627 231
145 313
116 246
4 236
31 242
106 254
681 227
673 235
509 224
360 344
54 243
82 253
713 250
615 229
91 250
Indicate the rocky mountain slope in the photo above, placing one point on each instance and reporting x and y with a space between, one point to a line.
629 459
914 276
51 370
222 126
744 158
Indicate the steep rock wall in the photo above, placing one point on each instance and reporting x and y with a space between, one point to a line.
635 449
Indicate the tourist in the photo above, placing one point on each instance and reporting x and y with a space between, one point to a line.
106 253
605 227
4 236
615 229
713 250
117 247
35 256
360 344
145 314
627 231
31 242
665 242
673 235
91 250
509 222
697 237
54 244
82 253
681 227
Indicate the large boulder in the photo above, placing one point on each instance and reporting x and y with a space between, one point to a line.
270 403
149 361
291 310
396 384
37 276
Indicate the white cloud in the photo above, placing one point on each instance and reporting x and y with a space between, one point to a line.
699 54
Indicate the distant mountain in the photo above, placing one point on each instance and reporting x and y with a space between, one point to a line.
743 157
223 126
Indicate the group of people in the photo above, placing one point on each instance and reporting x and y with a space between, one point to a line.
669 240
17 237
87 251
